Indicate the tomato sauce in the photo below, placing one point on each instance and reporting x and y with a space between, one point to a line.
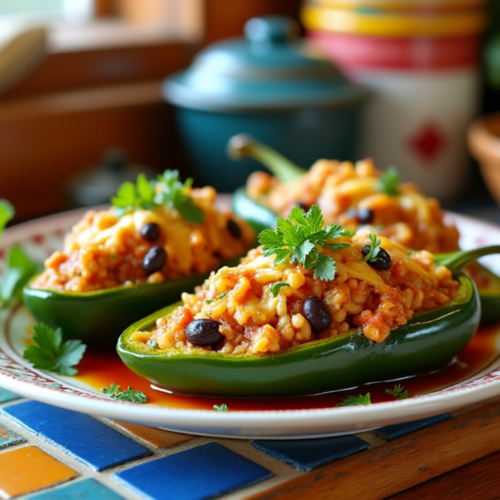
100 369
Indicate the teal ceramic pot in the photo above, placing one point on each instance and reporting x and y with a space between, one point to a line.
271 86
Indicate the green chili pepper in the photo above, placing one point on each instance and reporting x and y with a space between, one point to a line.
260 217
429 340
98 317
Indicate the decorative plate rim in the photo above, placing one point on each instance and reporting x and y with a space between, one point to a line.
481 386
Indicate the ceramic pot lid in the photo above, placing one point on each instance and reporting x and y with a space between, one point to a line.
271 69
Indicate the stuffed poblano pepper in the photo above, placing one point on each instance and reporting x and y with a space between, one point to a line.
313 309
354 196
158 239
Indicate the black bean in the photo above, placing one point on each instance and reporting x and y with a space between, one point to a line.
155 259
363 215
317 314
151 231
204 332
234 228
383 262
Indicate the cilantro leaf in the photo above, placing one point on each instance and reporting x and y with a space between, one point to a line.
372 255
115 392
215 299
399 392
356 400
348 233
50 353
270 238
222 407
297 240
130 196
20 269
167 189
312 221
337 246
301 252
172 192
276 287
389 182
325 268
7 213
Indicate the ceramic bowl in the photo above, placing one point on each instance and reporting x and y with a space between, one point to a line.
272 86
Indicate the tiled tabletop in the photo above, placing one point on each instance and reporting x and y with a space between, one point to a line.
51 453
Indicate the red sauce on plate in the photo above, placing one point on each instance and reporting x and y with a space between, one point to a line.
100 369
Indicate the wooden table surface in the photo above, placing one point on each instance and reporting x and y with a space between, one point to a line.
456 459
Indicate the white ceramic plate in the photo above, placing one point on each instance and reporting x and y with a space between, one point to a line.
39 238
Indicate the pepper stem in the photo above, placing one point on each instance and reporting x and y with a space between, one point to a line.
243 146
456 261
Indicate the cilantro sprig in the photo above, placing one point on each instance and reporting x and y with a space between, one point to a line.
50 353
174 194
115 392
221 407
399 392
356 400
276 287
298 239
372 255
389 181
166 189
139 195
20 268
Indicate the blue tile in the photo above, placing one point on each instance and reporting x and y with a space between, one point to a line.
392 432
85 438
79 490
6 395
207 471
9 438
308 454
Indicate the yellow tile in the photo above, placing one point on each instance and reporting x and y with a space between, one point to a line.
29 469
156 437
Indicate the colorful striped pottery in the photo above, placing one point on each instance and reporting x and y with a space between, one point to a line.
423 71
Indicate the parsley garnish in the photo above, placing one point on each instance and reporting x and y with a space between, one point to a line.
298 238
215 299
49 352
276 287
356 400
130 196
167 189
222 407
20 269
399 392
114 392
173 193
372 255
389 182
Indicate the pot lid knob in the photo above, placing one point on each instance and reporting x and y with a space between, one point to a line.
271 29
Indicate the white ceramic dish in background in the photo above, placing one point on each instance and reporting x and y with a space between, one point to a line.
41 237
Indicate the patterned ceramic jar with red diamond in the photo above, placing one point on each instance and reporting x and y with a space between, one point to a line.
422 67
